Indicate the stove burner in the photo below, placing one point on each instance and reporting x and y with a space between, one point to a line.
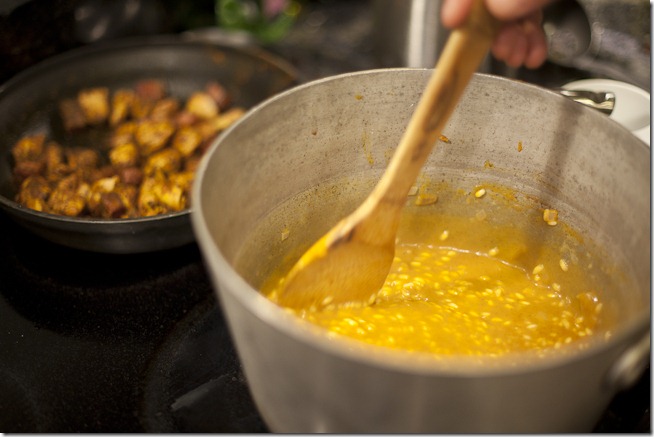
195 382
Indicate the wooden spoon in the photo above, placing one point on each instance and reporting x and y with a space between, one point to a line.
350 263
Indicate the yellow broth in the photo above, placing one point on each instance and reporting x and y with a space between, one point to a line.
477 272
451 302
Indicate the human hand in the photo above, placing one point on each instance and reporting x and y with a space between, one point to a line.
521 39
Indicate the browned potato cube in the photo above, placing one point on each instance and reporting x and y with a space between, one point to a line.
24 169
28 148
55 165
183 180
104 201
97 173
95 104
121 106
79 158
69 183
128 195
150 89
192 162
123 133
53 155
202 105
186 140
34 192
148 203
147 92
210 127
184 118
171 196
227 118
164 109
66 202
168 160
141 108
131 175
152 136
124 155
219 94
71 114
111 206
159 195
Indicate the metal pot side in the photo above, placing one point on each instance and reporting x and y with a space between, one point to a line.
344 125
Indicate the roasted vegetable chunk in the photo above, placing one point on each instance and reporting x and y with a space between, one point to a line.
25 169
54 161
124 155
28 148
71 114
80 158
168 161
221 96
66 203
121 106
153 135
202 105
164 109
95 104
34 192
159 195
187 140
105 199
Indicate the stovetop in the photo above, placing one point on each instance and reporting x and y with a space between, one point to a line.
94 342
137 343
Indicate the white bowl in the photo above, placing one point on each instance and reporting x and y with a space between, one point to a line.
632 104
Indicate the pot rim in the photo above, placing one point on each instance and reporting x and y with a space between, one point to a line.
628 333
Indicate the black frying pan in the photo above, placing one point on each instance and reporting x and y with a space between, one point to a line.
28 104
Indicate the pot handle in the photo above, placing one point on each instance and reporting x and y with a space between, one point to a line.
603 101
630 365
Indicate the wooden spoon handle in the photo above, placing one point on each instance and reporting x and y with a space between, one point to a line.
465 49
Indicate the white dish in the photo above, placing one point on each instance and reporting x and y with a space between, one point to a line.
632 104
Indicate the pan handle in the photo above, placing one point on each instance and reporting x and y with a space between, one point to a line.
630 365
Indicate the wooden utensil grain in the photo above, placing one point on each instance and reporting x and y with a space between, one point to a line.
350 263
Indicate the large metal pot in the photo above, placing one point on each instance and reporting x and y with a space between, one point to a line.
333 133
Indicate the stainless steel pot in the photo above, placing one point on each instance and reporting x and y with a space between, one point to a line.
335 133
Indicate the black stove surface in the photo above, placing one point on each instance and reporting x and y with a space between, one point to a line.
137 343
195 382
106 343
92 342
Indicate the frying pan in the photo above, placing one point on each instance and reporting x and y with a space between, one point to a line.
28 104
